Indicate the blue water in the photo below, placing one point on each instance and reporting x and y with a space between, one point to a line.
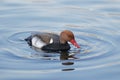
95 24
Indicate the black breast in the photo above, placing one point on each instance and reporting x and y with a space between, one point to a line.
56 47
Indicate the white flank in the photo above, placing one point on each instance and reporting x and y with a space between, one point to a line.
36 42
51 40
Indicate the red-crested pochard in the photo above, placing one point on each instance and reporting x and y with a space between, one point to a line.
52 42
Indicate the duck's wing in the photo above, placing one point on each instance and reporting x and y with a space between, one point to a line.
48 38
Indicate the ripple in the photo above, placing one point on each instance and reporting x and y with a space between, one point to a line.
92 46
95 49
92 32
94 23
97 45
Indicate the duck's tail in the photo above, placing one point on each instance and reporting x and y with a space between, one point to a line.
28 40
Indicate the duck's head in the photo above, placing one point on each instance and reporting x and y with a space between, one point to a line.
68 36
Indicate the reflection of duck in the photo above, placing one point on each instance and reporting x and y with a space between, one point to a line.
64 55
52 42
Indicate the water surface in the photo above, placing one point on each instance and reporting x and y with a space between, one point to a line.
94 23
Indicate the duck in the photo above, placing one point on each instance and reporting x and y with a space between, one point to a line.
51 41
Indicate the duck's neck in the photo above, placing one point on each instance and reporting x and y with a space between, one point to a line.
62 41
62 38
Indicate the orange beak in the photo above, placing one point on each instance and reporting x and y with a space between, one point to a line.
74 43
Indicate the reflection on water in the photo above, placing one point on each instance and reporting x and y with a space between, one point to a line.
65 56
94 23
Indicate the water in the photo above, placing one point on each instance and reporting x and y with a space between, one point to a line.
94 23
